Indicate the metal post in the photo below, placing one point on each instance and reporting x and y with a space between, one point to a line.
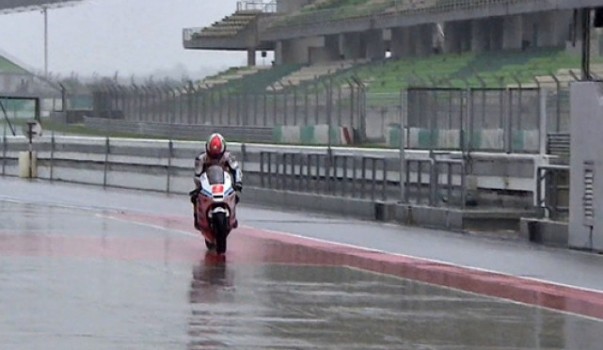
449 182
107 150
419 181
352 95
45 12
265 108
169 165
294 103
4 147
401 145
285 104
307 107
558 102
255 110
269 169
363 178
339 106
586 22
354 177
317 106
262 154
318 176
344 183
52 147
30 148
384 183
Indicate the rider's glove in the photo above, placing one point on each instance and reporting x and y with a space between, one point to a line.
194 194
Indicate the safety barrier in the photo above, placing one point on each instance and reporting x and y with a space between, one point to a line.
552 191
372 174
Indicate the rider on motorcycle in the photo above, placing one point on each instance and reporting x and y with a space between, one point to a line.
215 154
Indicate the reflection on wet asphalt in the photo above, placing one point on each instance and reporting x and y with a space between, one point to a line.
72 279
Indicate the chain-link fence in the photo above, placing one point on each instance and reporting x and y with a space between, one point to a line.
503 119
319 103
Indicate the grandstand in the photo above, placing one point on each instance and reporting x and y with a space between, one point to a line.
348 63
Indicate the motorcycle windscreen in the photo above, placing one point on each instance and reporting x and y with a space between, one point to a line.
215 175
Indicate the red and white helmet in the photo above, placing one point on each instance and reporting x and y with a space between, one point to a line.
215 146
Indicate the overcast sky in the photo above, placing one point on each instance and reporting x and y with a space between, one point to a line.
130 36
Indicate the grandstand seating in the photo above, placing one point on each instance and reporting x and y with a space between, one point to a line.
231 74
229 26
248 79
8 67
312 72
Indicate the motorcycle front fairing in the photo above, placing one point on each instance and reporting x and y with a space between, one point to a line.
217 194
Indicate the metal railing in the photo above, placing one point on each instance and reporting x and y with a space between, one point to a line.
552 191
265 7
337 175
429 181
436 182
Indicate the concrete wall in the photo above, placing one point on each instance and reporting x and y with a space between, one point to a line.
297 51
374 44
351 46
458 36
586 227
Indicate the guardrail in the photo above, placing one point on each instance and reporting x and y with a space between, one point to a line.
368 174
552 191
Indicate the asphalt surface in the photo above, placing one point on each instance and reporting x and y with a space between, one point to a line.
87 268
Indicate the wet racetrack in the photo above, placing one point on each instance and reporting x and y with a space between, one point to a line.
126 271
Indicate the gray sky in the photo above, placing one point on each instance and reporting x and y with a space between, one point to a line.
130 36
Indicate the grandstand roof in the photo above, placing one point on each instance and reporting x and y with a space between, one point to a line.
391 14
8 6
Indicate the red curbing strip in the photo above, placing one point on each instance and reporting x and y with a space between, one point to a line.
286 248
549 295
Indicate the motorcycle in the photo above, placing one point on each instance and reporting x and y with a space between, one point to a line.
216 207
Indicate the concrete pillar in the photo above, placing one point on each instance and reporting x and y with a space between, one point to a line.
480 35
400 42
553 28
351 46
374 44
457 36
278 53
332 47
496 25
421 37
251 57
530 30
297 51
452 37
512 32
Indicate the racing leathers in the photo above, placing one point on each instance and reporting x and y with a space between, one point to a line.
203 162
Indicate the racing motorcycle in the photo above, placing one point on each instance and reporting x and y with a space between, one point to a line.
216 207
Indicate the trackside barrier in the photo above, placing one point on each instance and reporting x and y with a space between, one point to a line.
367 174
552 191
337 175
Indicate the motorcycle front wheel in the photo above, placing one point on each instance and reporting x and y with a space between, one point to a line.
220 227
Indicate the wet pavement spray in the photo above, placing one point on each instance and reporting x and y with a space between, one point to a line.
89 279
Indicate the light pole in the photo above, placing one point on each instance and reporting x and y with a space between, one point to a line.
45 13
